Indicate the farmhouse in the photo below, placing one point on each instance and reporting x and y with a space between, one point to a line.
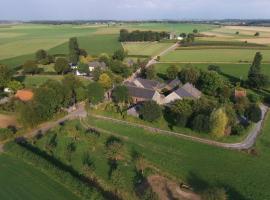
139 94
95 64
148 84
187 91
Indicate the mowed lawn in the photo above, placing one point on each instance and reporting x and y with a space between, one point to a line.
236 70
242 175
19 180
215 55
145 48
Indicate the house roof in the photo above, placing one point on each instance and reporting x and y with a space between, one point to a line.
141 92
97 64
174 83
24 95
188 91
146 83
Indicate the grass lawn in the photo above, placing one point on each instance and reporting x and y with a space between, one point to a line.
242 175
37 80
145 48
235 70
19 180
215 55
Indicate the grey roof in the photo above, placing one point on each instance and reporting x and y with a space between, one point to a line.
174 83
141 92
97 64
188 91
149 84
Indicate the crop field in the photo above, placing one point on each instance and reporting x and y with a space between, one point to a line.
242 175
145 48
19 180
215 55
239 71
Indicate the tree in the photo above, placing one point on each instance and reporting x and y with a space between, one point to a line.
254 113
71 82
14 85
104 58
105 81
74 50
30 67
181 111
96 73
172 72
5 75
255 68
119 55
150 111
200 123
255 78
83 68
189 74
218 122
195 31
209 82
120 94
95 93
214 68
41 54
61 66
150 72
257 34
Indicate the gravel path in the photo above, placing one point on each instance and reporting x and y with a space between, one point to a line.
247 143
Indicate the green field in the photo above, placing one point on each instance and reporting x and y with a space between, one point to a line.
19 180
37 80
242 175
239 71
145 48
215 55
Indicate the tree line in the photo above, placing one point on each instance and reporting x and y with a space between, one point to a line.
126 36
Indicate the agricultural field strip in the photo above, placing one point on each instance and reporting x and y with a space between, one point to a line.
247 143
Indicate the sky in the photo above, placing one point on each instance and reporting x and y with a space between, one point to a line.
133 9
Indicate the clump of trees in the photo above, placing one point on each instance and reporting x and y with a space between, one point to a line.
31 67
95 93
5 76
126 36
150 111
48 99
43 57
62 66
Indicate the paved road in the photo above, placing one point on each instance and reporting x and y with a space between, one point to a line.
80 112
247 143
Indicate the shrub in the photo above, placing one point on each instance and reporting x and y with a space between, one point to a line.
214 68
200 123
254 113
237 129
5 134
150 111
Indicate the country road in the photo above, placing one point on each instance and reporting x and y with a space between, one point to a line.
152 61
247 143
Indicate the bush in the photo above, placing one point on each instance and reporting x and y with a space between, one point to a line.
254 113
214 68
5 134
200 123
237 129
150 111
253 98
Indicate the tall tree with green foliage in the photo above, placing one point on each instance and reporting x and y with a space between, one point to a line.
218 122
5 75
119 55
74 50
61 66
31 67
189 75
41 54
95 93
209 82
172 72
255 78
150 111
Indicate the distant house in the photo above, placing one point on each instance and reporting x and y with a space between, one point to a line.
180 38
7 90
173 36
95 64
187 91
240 92
24 95
140 94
